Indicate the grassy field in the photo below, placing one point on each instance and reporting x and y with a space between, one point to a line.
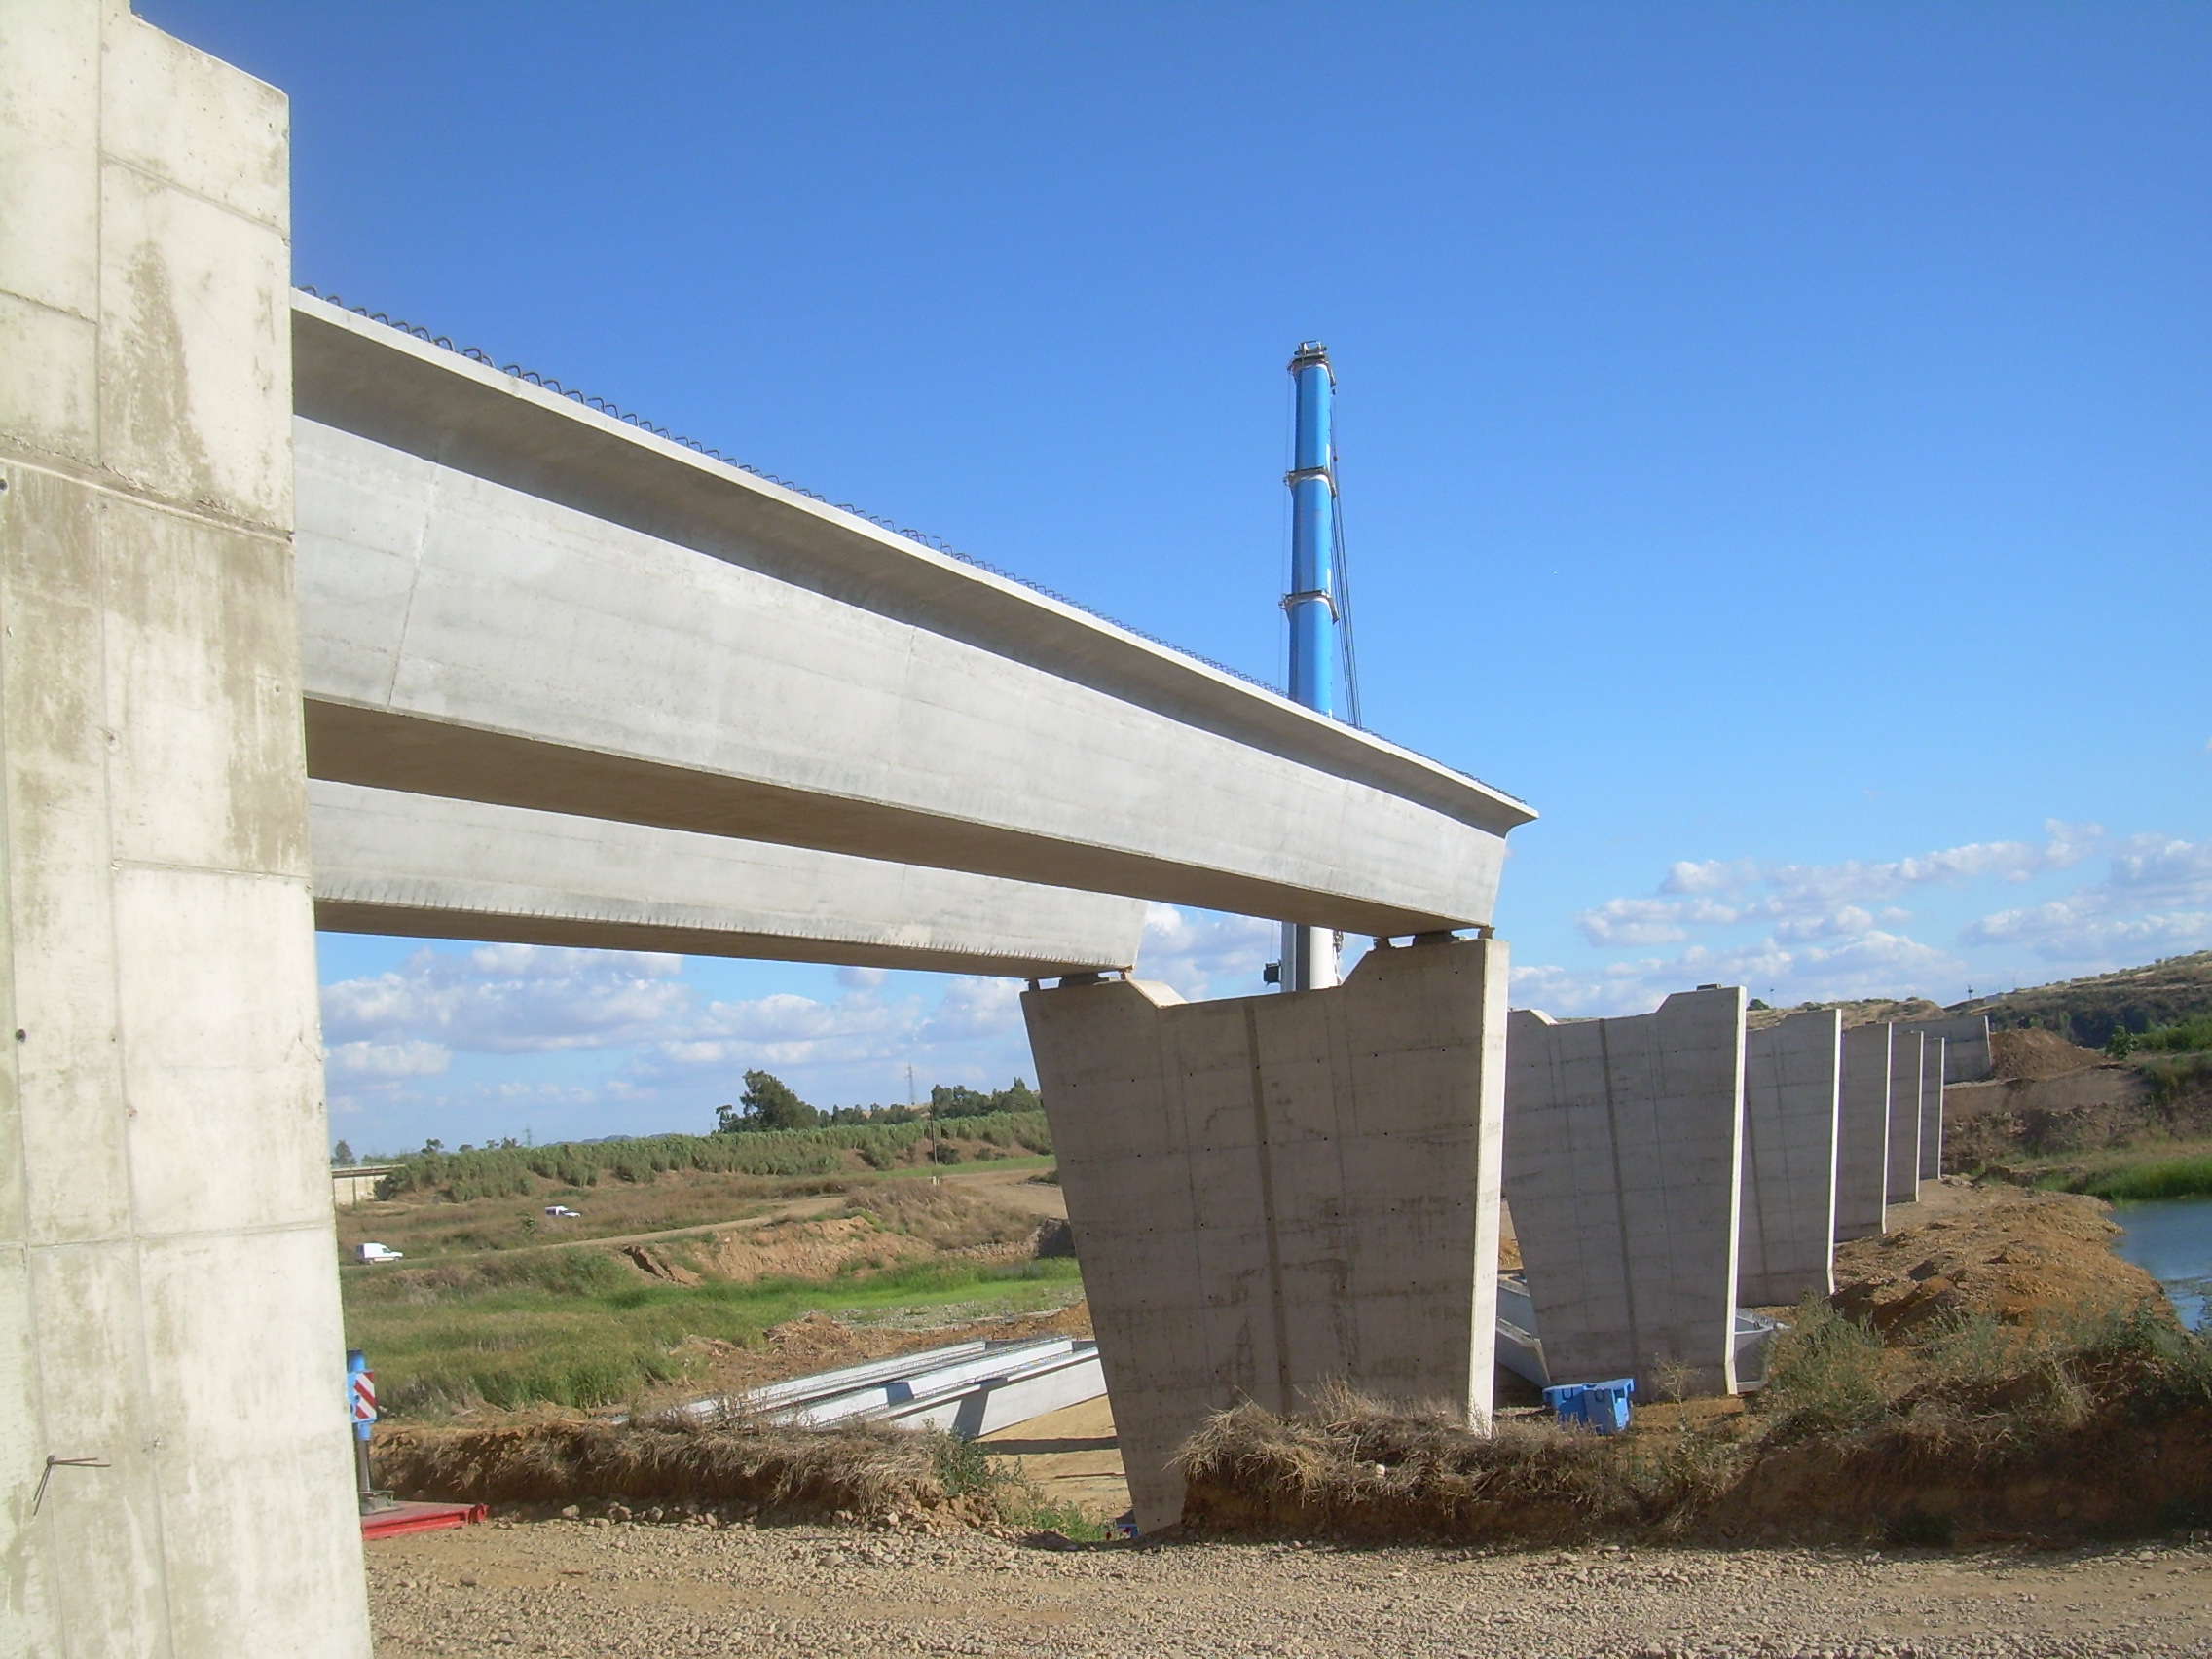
578 1328
2179 1170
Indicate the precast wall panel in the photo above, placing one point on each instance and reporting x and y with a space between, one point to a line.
1908 1049
1862 1134
1623 1162
1967 1054
1934 1062
1270 1194
1792 1075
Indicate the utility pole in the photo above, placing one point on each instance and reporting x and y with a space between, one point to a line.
1309 954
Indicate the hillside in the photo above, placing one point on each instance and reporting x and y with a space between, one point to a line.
2089 1011
2086 1011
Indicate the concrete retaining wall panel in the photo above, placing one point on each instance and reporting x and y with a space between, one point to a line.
1862 1134
1623 1158
1271 1194
1967 1056
1934 1065
1906 1051
1792 1077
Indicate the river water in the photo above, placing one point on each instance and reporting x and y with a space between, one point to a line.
2171 1238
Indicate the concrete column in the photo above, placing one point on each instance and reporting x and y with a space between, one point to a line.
1862 1134
1934 1060
1905 1051
1273 1193
168 1303
1622 1166
1786 1243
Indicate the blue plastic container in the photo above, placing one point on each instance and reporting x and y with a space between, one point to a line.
1601 1407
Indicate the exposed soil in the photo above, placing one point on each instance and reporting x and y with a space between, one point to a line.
2037 1054
2017 1256
1867 1011
614 1589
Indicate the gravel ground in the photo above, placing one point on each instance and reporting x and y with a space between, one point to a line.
592 1588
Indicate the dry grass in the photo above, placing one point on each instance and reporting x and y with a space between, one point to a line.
2097 1422
856 1473
944 1217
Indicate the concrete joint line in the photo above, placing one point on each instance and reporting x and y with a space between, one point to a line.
1264 1152
15 458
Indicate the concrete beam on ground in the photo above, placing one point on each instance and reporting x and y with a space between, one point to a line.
1967 1056
175 1477
1862 1134
1906 1049
1273 1194
1792 1077
511 598
424 866
1623 1168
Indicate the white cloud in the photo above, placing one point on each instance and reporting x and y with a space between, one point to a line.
1816 900
510 998
410 1057
1202 954
974 1008
2156 900
1872 962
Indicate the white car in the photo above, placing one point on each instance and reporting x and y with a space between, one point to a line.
562 1212
376 1253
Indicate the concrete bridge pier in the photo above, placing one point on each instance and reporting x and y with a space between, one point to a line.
173 1473
1274 1193
1624 1165
1792 1077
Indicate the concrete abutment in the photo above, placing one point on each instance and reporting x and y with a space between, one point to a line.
173 1325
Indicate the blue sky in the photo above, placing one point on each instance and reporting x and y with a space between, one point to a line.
1773 442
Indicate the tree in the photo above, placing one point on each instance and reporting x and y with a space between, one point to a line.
342 1156
767 1103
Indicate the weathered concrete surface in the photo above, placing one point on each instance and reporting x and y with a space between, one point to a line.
1623 1161
1792 1076
510 597
387 863
1274 1192
158 1312
1906 1049
1862 1134
1967 1057
1933 1059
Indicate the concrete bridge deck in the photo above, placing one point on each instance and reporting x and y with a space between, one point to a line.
508 597
426 867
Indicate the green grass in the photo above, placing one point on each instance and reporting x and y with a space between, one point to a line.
1031 1161
2152 1178
575 1328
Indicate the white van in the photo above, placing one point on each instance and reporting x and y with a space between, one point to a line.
374 1253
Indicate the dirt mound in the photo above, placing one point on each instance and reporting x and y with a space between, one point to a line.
1866 1011
804 1250
852 1472
945 1216
2037 1054
2021 1258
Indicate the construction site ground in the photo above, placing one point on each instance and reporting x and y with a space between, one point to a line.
607 1590
595 1586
